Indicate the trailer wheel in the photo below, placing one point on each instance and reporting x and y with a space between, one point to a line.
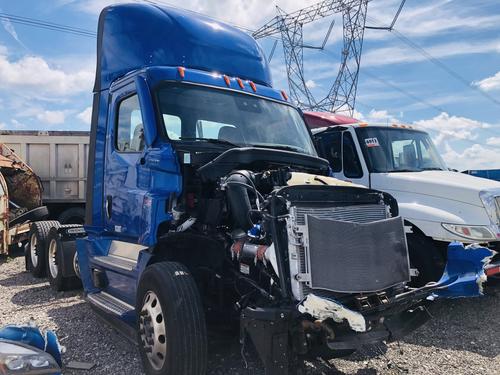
426 258
73 215
54 261
37 244
171 326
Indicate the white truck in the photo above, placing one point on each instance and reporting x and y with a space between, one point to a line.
439 205
59 159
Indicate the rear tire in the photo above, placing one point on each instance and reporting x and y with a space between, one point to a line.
426 258
37 245
172 333
54 261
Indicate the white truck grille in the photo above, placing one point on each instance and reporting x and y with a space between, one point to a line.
297 231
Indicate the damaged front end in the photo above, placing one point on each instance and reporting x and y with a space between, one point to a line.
342 260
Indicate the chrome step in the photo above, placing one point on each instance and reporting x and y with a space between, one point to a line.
107 302
115 261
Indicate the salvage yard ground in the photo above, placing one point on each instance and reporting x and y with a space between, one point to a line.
462 338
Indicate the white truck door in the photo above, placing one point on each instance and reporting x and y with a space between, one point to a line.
353 164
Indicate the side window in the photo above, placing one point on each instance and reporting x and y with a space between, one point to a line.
352 166
173 126
129 127
332 144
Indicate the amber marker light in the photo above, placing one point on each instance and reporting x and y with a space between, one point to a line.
182 71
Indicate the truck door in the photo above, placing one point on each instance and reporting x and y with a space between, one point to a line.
340 148
125 143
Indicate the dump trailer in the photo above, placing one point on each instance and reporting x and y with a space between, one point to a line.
59 158
207 202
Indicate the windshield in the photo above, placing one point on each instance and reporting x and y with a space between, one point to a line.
398 150
197 113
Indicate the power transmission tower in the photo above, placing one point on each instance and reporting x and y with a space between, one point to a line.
342 95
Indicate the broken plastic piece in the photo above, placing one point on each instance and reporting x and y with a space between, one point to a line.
77 365
464 274
322 308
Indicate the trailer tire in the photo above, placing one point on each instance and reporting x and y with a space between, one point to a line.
171 325
35 214
39 230
54 261
426 258
73 215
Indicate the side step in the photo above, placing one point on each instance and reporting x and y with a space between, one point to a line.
115 262
109 304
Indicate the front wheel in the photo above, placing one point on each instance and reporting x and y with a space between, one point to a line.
426 258
171 324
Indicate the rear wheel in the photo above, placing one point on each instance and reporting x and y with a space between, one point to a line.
426 258
73 215
37 244
171 327
55 263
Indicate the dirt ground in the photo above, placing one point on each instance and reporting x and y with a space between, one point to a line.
462 338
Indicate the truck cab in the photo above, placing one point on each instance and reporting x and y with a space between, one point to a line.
439 205
207 202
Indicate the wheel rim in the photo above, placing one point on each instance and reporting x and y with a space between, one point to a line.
53 268
33 251
76 266
152 330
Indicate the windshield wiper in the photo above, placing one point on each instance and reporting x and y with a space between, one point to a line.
432 169
210 140
279 147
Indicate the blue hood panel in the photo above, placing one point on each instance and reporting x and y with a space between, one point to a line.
133 36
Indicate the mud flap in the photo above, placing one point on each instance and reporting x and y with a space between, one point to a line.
269 331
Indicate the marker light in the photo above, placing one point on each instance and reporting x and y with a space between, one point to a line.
227 80
240 83
182 71
284 95
252 85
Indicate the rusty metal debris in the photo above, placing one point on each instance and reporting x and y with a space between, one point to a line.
20 192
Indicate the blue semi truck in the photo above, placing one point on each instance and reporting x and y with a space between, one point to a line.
207 202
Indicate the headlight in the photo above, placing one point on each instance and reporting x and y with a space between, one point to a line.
491 204
17 358
472 232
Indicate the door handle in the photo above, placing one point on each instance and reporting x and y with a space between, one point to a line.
109 206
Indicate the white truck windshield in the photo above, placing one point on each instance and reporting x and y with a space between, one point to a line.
398 150
197 113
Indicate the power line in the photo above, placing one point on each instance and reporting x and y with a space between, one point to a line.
434 60
27 21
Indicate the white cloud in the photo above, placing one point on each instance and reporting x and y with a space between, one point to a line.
376 116
9 27
452 126
473 157
399 55
33 75
493 141
490 83
3 125
51 117
311 84
86 115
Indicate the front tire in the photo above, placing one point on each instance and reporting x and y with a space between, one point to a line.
171 323
426 258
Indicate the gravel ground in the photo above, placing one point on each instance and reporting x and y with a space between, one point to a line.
462 338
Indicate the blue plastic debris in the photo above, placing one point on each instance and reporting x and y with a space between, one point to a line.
32 336
464 274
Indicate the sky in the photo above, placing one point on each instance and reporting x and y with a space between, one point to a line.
439 69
